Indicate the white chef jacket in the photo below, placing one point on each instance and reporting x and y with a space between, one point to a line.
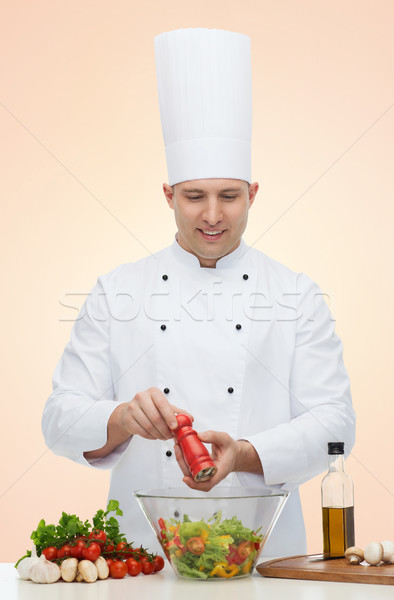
248 348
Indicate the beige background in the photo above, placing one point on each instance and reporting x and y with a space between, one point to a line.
82 165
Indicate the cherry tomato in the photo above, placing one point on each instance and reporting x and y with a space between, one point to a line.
109 547
98 535
138 554
121 546
195 545
50 553
233 558
245 548
124 549
158 563
76 551
109 562
91 552
64 551
147 567
118 569
134 567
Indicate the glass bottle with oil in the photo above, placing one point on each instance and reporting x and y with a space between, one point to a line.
337 504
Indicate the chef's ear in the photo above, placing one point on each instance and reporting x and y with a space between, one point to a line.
252 191
169 192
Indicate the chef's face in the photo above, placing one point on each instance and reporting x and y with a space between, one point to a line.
211 215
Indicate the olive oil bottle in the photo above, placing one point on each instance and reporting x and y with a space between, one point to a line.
337 504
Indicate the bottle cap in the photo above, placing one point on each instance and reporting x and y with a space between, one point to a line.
336 447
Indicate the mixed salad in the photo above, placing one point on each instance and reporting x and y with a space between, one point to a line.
213 548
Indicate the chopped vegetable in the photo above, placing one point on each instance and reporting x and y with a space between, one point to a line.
213 548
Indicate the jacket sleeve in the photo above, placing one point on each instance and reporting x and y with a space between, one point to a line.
319 395
77 412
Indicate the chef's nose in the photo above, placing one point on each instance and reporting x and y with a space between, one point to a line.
212 211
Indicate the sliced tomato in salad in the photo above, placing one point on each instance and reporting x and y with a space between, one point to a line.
195 545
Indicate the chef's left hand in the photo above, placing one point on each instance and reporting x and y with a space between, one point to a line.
229 455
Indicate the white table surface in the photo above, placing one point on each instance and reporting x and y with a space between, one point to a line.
166 586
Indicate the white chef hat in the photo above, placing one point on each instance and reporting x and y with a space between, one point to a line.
204 79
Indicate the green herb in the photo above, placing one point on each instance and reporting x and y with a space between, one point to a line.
111 525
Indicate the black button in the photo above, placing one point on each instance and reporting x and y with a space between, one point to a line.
168 453
165 277
163 327
176 514
246 276
230 390
166 390
238 326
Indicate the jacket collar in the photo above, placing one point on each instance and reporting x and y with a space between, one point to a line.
190 260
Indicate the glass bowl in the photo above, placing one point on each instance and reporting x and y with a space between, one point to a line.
214 535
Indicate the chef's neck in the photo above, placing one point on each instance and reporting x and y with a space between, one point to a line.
209 263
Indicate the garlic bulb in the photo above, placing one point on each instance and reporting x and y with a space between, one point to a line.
44 571
25 565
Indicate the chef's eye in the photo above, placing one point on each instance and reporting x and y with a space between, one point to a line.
198 197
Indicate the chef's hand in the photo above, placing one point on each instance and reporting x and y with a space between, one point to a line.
229 455
150 415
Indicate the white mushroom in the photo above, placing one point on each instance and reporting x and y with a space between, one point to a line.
373 553
354 555
88 571
102 567
388 551
69 569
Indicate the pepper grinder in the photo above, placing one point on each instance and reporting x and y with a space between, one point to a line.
194 452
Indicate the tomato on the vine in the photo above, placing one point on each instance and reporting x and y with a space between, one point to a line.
50 553
109 547
125 550
98 535
64 551
121 547
158 563
138 554
147 567
109 561
76 551
134 567
118 569
91 552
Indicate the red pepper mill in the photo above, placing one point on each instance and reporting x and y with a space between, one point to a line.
194 452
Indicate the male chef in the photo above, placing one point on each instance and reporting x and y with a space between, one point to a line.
209 325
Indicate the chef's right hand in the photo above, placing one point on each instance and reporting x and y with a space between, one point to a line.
150 415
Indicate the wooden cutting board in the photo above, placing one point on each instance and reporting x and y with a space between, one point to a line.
314 567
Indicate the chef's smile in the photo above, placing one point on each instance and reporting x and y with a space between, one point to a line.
211 235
